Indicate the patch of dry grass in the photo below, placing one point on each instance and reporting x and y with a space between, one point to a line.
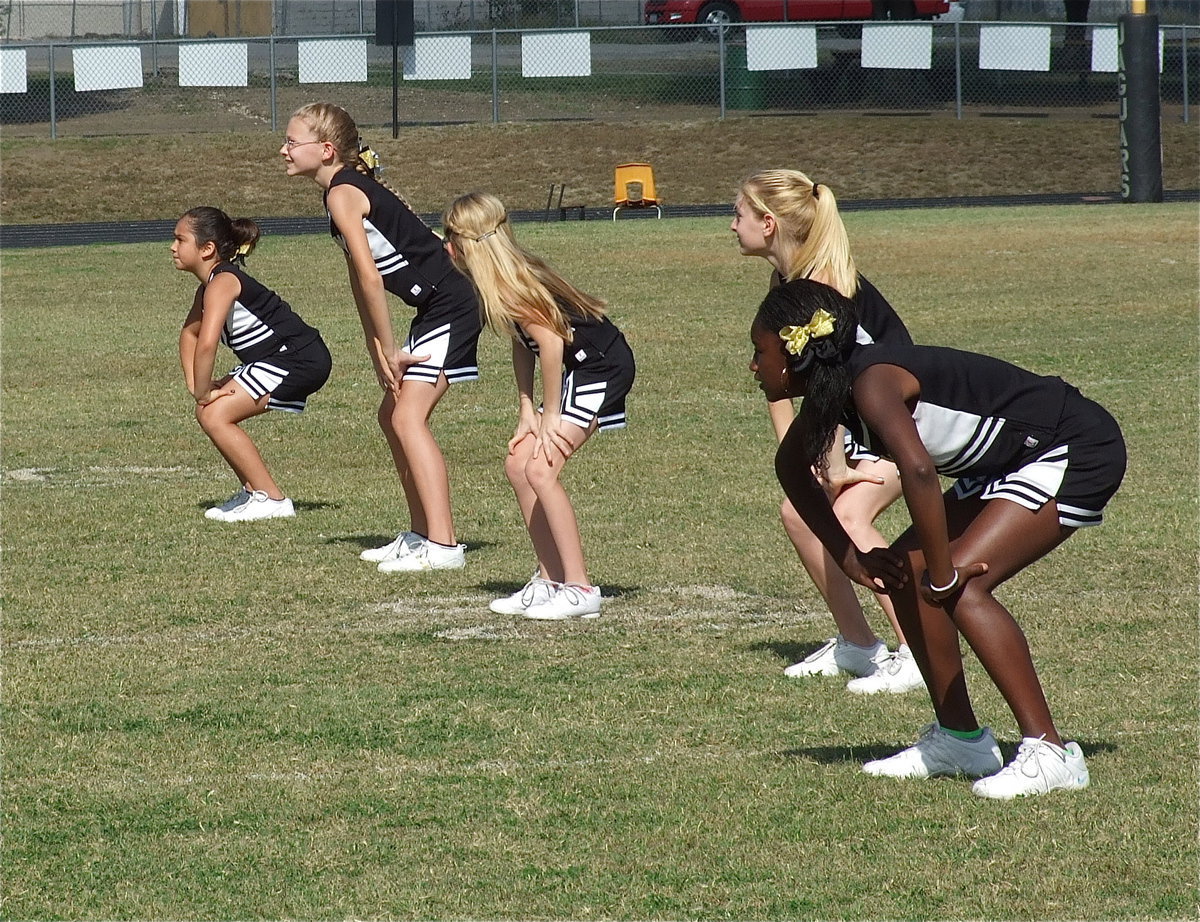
699 162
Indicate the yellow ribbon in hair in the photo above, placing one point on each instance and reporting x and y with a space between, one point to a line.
243 250
796 338
369 157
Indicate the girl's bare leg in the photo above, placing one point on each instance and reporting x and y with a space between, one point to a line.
418 459
220 420
553 527
858 506
835 587
549 563
1007 537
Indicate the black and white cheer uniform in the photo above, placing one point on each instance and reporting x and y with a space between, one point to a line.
280 354
1005 432
598 370
416 268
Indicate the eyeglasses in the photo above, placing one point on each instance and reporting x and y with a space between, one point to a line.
289 143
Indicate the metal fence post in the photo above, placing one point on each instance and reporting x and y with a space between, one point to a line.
271 65
495 81
957 72
721 67
53 93
1184 48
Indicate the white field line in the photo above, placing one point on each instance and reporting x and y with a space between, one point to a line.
465 618
97 475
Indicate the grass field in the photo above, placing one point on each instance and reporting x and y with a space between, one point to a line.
206 721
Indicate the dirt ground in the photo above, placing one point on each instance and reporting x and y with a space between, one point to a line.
860 156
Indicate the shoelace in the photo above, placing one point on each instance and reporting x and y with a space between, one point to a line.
574 594
817 654
529 593
1026 753
892 664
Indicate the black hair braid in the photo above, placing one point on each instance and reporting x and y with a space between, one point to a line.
823 359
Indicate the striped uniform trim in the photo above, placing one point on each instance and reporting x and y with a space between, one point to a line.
976 447
956 440
612 421
581 404
1032 486
1078 517
436 344
287 406
259 379
244 329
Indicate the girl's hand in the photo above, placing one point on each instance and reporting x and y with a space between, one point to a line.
944 593
879 569
525 428
399 362
216 392
845 476
551 440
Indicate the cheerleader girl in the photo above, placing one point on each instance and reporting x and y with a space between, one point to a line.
1035 460
587 369
283 359
794 224
389 249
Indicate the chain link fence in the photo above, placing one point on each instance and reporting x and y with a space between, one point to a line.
45 20
960 69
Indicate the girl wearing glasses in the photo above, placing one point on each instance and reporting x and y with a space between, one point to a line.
389 249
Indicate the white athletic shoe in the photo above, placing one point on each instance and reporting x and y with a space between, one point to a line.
402 544
567 601
896 674
260 506
534 592
1039 768
428 555
218 512
839 655
939 753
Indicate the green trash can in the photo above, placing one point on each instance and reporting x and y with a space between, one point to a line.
744 88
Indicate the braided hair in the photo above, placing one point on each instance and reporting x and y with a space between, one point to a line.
822 357
514 285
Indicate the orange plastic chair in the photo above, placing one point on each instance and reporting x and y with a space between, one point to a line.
633 187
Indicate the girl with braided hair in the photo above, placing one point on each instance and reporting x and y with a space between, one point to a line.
283 359
389 249
1035 461
793 223
587 370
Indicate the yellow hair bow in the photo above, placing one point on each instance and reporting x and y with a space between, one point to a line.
370 158
243 250
796 338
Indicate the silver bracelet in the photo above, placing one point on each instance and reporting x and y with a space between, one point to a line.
938 590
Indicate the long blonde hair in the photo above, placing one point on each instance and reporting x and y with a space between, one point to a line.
812 237
514 285
333 124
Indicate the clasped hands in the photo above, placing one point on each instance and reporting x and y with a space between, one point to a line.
886 571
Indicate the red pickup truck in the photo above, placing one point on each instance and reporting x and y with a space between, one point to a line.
718 14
